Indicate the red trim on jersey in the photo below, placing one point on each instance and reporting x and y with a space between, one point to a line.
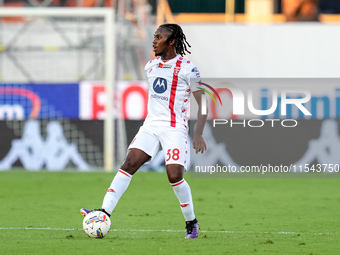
125 173
173 92
178 183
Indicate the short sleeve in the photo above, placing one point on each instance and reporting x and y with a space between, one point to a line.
147 67
145 70
193 78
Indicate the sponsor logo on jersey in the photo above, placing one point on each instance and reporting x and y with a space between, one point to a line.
160 85
161 65
195 70
160 97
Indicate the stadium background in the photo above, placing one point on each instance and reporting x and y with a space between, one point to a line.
53 99
53 69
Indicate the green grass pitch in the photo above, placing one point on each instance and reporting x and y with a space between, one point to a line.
40 215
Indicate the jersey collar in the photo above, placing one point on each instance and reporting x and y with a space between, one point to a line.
169 60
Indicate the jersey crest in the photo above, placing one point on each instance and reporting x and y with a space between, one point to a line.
176 70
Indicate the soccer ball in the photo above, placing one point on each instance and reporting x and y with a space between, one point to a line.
96 224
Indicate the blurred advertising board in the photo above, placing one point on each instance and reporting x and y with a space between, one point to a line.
51 144
275 126
130 101
85 100
29 100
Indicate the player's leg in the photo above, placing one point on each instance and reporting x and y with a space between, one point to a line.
181 189
133 161
175 146
144 146
183 193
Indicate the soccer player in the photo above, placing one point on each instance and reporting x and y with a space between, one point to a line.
168 78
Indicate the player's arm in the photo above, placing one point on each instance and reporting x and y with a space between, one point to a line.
198 141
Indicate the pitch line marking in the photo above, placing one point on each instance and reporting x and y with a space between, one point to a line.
170 230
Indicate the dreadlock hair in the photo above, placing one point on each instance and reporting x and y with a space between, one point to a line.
179 37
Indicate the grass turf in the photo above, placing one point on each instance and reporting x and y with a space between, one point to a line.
237 216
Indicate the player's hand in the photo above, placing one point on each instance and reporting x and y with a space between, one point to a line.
199 144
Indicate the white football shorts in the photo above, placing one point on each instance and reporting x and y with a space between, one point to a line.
174 143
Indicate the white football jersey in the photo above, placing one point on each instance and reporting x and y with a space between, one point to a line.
169 91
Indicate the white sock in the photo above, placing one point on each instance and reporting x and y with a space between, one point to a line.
183 192
118 186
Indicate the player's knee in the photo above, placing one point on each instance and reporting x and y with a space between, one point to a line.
130 165
134 159
175 177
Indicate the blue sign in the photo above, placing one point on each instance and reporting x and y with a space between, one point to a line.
160 85
42 101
